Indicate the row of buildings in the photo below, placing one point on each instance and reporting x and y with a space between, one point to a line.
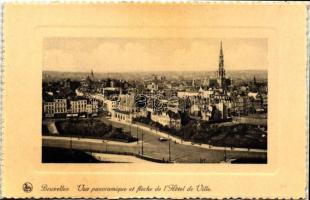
211 104
69 107
159 103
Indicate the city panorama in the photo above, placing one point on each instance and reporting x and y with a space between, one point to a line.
145 115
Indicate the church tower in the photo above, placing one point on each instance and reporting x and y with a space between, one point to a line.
221 71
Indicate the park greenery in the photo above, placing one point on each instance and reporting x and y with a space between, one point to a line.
92 128
217 134
228 135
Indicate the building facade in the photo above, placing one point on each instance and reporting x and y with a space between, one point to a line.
69 107
169 119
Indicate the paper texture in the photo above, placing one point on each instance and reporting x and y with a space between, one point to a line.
281 26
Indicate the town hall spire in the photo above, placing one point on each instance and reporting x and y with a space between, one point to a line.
221 70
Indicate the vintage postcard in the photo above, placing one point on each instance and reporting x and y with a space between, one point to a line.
154 100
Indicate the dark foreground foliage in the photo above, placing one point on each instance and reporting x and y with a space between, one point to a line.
93 129
232 135
61 155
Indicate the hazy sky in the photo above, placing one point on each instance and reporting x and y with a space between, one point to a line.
171 54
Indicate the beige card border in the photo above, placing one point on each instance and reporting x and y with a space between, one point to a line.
26 25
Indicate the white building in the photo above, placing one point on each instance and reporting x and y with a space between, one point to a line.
83 106
253 95
64 107
55 107
207 93
224 107
169 119
124 109
152 87
162 118
206 114
126 103
49 109
78 106
79 93
184 94
94 106
122 116
111 104
60 106
195 109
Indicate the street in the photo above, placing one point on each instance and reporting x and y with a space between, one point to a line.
154 148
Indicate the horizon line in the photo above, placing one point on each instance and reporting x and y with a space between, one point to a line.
151 71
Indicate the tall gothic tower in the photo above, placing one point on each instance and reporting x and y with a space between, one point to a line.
221 71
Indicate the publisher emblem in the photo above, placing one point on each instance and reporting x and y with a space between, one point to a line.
27 187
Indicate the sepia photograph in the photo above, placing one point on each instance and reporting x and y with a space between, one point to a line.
168 100
133 100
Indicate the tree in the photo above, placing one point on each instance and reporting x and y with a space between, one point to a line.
217 115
